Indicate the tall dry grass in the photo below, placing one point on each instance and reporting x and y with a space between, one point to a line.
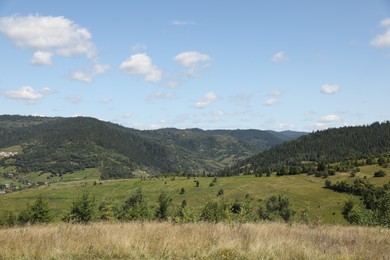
153 240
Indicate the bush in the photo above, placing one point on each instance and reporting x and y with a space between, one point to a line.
8 219
214 211
135 207
380 173
276 207
184 214
83 209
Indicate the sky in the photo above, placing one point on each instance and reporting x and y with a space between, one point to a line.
272 65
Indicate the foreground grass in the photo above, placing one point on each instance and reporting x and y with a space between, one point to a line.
165 240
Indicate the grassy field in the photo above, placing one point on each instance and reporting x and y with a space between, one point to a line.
324 204
153 240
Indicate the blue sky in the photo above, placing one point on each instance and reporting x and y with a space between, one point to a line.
278 65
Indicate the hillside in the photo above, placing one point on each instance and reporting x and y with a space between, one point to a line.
65 145
327 146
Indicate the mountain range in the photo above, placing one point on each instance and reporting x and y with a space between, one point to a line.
64 145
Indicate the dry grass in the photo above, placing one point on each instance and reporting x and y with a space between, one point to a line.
193 241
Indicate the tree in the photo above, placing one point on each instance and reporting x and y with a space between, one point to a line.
83 209
135 207
162 209
40 212
276 207
37 213
106 212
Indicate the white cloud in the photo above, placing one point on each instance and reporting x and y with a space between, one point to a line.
383 40
28 93
48 34
88 76
206 100
330 89
279 56
75 99
141 64
41 58
277 92
181 22
330 119
271 102
25 93
191 58
81 76
160 95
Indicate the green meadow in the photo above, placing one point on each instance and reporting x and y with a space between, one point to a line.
304 190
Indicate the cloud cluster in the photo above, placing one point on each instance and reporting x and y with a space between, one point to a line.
383 40
47 35
28 93
141 64
206 100
330 89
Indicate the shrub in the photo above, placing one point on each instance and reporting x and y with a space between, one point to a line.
135 207
182 191
276 207
214 211
162 208
380 173
83 209
184 214
8 219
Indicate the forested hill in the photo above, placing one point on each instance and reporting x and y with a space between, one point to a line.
327 146
64 145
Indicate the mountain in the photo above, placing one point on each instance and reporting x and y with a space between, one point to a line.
64 145
327 146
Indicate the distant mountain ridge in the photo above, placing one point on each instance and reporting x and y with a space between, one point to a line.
64 145
331 145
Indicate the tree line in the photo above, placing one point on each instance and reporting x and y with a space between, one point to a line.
85 208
